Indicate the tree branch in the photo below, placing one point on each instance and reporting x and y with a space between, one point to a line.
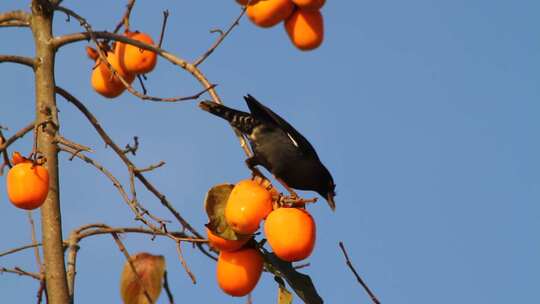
18 59
222 36
358 278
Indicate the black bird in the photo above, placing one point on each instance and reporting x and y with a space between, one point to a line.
278 147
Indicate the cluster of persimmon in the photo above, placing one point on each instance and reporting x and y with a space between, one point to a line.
302 19
127 60
290 232
27 183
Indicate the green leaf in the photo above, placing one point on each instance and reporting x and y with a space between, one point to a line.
299 282
284 296
214 204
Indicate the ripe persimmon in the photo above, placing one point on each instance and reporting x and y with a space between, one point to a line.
27 185
268 13
248 204
224 244
103 80
305 29
134 59
245 2
309 4
291 233
239 271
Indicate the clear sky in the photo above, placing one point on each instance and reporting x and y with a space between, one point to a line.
425 112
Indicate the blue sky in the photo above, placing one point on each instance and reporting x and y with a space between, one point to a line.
426 113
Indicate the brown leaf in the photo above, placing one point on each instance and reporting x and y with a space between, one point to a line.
214 204
150 269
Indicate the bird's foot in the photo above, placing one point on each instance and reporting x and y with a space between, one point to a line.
295 201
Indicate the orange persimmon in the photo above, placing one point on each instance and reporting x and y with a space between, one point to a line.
27 185
248 204
239 271
268 13
103 80
245 2
224 244
134 59
291 233
309 4
305 29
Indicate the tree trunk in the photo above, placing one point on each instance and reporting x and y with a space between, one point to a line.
47 122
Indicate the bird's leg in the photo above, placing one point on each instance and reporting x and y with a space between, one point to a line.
289 189
252 165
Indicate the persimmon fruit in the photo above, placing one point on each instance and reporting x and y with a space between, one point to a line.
103 80
223 244
245 2
267 13
27 185
248 204
305 29
239 271
134 59
309 4
291 233
17 158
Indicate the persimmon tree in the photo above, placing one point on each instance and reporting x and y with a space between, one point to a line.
56 257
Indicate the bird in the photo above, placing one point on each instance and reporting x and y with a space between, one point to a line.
278 147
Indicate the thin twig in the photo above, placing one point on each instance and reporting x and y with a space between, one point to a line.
41 290
167 288
15 250
163 27
125 18
184 264
22 132
21 272
34 241
222 36
151 167
358 278
123 249
16 17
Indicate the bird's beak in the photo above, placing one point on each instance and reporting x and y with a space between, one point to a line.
330 200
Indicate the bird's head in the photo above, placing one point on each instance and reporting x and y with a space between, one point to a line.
327 189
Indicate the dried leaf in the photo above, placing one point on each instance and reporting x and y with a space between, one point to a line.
150 269
214 204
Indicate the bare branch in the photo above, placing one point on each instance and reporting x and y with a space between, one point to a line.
14 18
358 278
125 18
163 27
34 241
21 272
151 167
132 149
16 136
222 36
184 264
123 249
17 59
14 250
167 288
107 139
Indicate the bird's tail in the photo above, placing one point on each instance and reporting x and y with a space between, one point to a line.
238 119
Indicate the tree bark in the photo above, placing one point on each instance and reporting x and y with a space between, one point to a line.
47 126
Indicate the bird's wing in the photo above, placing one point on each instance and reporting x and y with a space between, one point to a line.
260 112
